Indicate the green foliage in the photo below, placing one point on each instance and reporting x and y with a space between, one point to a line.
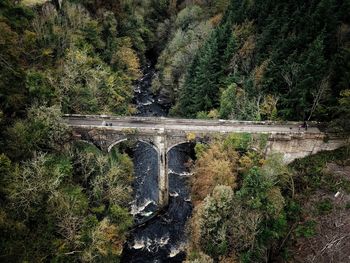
30 186
274 229
202 82
46 197
121 217
311 175
256 186
238 141
12 88
88 85
284 68
108 177
17 16
202 115
200 148
6 170
191 29
213 224
344 110
254 62
77 199
43 130
205 75
263 139
293 210
99 210
324 206
247 223
39 87
228 101
307 229
57 197
187 16
347 206
235 104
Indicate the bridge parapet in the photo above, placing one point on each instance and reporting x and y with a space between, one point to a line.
159 120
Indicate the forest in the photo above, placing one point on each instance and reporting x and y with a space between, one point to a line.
66 201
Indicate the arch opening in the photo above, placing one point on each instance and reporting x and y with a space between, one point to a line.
146 183
145 160
149 144
178 144
115 143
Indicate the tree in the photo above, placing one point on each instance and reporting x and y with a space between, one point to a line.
188 16
106 243
344 103
214 166
179 51
125 59
235 104
43 130
212 216
40 89
228 101
204 78
12 88
31 186
88 85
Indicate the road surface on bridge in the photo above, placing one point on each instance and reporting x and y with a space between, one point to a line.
185 125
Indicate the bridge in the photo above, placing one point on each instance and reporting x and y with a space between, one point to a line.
165 133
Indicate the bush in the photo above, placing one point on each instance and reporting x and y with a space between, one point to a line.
121 217
238 141
200 149
307 229
324 206
213 223
347 206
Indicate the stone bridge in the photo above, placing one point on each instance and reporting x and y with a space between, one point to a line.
165 133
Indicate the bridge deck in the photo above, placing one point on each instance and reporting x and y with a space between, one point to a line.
151 124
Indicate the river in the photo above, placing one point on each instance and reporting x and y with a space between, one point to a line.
162 238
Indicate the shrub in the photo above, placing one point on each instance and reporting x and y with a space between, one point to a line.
121 217
325 206
238 141
347 206
307 229
199 149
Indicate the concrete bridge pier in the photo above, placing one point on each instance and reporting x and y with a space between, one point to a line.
160 142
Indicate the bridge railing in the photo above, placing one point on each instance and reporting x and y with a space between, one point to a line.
186 121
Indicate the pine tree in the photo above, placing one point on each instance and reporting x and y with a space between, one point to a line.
207 72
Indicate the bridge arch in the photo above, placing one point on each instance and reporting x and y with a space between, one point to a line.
115 143
139 140
150 144
185 142
177 144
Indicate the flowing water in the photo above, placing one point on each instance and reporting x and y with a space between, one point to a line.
147 103
160 235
